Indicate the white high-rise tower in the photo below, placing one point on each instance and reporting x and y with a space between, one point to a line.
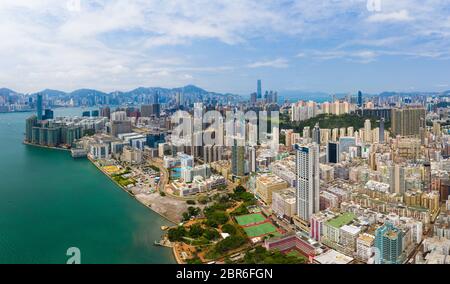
308 180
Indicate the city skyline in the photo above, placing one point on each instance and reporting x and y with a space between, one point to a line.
331 46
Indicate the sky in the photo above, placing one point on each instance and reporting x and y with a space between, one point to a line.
334 46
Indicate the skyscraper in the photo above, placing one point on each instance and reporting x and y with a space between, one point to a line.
407 121
333 152
360 99
308 180
39 106
238 158
389 241
150 110
31 122
252 159
367 131
253 98
259 89
381 134
316 134
105 112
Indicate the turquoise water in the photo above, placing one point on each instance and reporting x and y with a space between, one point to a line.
50 202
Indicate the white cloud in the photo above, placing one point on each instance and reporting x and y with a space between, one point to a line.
361 56
277 63
400 16
114 44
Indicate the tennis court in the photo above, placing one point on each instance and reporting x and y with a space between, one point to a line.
250 219
261 230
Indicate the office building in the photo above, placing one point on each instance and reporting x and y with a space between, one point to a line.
39 106
389 241
333 152
360 99
259 89
152 110
238 159
120 127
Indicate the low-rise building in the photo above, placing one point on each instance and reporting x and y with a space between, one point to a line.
132 155
266 184
283 203
364 246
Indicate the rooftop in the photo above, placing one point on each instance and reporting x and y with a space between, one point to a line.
333 257
341 220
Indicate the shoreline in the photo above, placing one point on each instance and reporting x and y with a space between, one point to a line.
175 255
45 147
131 194
173 222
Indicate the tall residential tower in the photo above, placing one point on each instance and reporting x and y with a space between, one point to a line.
308 180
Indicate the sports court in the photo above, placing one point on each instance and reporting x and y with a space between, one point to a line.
261 230
111 170
250 219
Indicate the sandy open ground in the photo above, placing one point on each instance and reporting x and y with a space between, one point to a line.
171 209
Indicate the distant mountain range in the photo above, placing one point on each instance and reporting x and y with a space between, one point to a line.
189 89
194 90
293 95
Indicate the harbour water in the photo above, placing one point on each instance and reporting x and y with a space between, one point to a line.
50 203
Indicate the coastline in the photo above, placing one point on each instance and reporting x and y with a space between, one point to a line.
175 255
174 222
45 147
167 218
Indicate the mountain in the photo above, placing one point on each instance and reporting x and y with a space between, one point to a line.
148 91
87 92
6 92
191 89
52 93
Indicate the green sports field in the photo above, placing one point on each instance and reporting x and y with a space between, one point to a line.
250 219
262 229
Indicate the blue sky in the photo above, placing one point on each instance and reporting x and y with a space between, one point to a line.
335 46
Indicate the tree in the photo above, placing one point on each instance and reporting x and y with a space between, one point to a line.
261 256
229 243
176 234
211 234
196 231
203 199
239 189
229 229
